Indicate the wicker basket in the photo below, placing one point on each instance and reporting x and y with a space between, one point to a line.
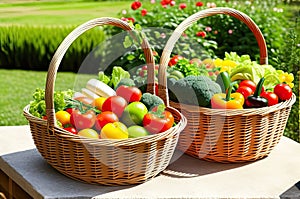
227 135
102 161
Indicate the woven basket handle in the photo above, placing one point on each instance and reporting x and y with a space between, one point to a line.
162 89
66 43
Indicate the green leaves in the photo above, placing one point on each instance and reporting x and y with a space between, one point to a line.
187 68
127 42
38 105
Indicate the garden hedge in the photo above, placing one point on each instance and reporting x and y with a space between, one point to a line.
32 47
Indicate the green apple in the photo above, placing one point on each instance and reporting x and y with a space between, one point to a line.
134 114
137 131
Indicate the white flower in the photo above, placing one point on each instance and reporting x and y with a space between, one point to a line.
247 2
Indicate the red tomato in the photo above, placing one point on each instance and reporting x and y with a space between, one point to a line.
174 60
129 93
283 91
70 110
271 97
105 117
156 124
115 104
245 91
83 120
156 87
71 130
248 83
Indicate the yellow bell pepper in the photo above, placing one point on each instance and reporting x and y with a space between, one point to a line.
228 100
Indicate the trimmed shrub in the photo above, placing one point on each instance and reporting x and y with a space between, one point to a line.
32 47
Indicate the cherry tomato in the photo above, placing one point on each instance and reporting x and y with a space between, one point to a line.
105 117
129 93
173 61
156 87
115 104
63 117
71 130
283 91
248 83
70 110
245 91
271 97
157 124
83 120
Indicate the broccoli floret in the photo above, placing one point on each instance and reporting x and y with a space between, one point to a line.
126 82
195 90
151 100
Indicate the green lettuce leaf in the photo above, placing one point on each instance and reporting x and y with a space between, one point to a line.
38 104
103 78
118 73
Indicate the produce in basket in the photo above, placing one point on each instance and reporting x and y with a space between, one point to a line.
194 90
232 135
101 161
198 81
101 111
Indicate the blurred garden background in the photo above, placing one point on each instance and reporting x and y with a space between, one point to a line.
31 31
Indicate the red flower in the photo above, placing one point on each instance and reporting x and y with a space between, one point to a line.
165 2
128 19
131 19
199 4
201 34
182 6
136 5
143 12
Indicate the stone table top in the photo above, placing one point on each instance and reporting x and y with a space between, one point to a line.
186 177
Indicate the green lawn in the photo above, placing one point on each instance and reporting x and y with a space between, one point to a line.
57 12
17 87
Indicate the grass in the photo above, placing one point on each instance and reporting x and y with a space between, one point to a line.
57 12
17 87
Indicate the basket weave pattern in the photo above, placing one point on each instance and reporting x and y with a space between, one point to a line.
226 135
231 138
102 161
